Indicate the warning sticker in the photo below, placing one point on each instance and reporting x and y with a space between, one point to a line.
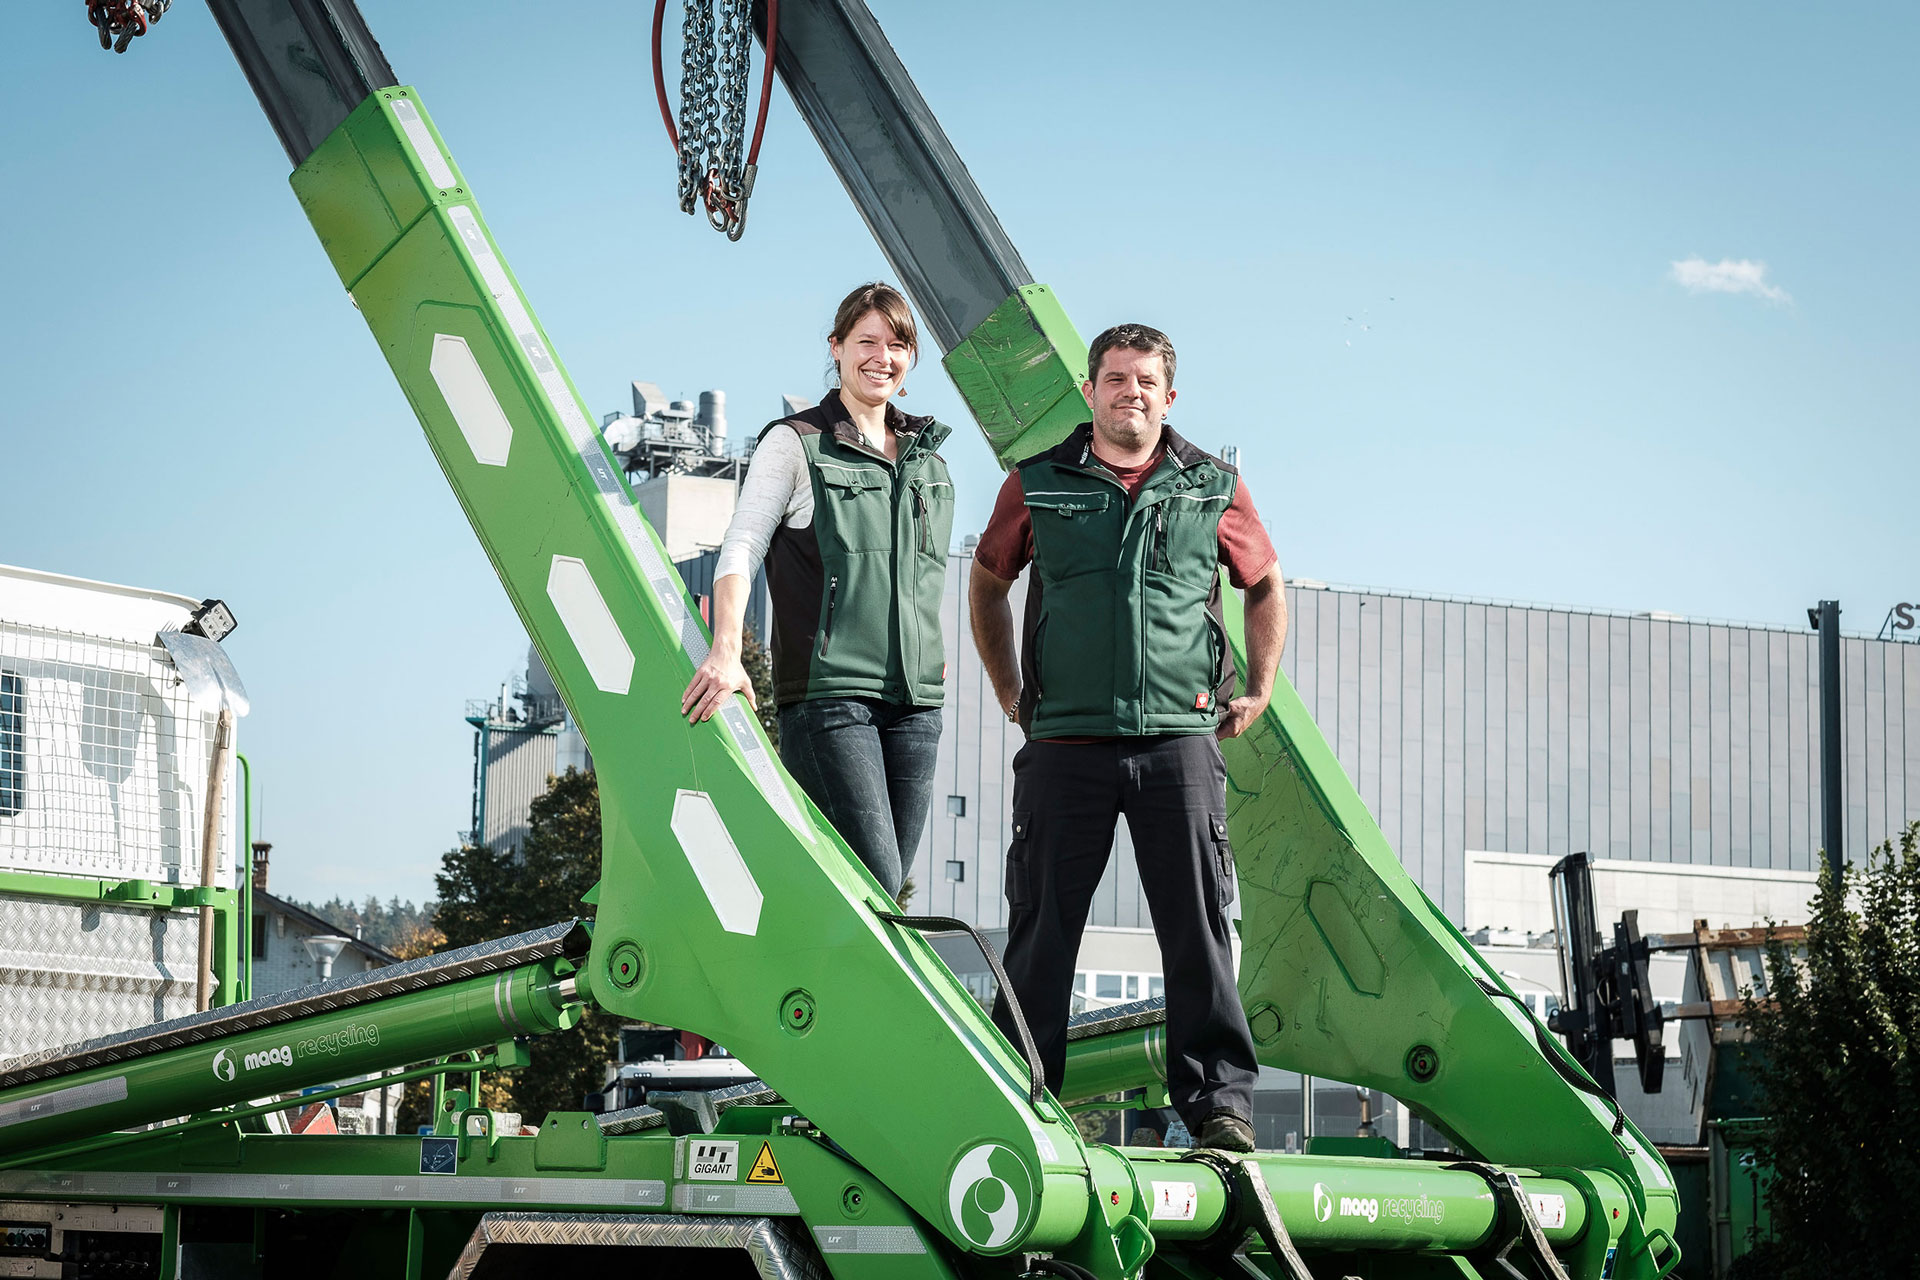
1175 1200
715 1161
1551 1210
765 1168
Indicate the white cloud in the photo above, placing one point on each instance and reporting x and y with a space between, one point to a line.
1729 275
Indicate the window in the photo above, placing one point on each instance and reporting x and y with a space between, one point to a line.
259 937
1156 987
956 806
1106 986
956 870
13 743
1133 986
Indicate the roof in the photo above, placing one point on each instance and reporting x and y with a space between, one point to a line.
320 924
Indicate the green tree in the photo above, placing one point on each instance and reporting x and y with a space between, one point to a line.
485 895
759 667
1835 1056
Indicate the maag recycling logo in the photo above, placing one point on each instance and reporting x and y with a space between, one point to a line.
990 1197
222 1066
1322 1202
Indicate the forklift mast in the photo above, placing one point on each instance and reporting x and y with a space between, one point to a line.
728 906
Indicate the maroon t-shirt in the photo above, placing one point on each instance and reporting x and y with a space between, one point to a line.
1007 545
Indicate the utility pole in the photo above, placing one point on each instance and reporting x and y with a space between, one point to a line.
1826 621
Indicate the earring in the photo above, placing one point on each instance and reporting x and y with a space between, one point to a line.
903 390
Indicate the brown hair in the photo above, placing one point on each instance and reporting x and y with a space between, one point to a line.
885 299
1131 337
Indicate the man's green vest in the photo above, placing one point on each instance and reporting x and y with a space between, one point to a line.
1123 630
856 595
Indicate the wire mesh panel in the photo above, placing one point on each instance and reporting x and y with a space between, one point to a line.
103 761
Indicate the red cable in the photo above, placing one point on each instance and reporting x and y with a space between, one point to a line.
766 80
660 79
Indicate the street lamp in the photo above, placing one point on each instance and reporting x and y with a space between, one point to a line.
324 948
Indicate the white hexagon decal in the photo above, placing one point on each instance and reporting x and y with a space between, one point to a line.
590 625
716 862
471 400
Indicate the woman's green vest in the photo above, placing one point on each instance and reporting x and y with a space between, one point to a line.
856 595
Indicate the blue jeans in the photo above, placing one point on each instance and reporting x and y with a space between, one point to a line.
869 766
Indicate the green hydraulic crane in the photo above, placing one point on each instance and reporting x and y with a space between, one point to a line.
728 906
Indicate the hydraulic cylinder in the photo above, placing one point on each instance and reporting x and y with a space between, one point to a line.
1395 1205
319 1049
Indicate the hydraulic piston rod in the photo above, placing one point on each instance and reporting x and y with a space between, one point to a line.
320 1048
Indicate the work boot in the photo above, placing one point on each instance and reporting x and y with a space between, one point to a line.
1226 1130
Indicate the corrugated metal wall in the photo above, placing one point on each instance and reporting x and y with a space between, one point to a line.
518 764
1511 728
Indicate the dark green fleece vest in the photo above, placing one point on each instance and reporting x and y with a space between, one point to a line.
1123 630
856 595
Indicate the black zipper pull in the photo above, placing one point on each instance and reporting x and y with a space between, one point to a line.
826 632
1160 536
920 515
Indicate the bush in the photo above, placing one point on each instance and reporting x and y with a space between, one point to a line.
1839 1075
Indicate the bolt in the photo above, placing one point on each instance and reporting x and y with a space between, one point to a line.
1423 1063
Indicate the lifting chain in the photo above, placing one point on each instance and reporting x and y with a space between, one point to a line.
716 163
119 21
728 177
699 131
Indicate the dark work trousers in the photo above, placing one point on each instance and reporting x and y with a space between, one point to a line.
869 766
1172 790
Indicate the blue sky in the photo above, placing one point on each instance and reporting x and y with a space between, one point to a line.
1419 262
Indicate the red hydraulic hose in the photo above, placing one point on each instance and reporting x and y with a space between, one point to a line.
660 80
766 79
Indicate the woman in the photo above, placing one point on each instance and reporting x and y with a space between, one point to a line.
850 508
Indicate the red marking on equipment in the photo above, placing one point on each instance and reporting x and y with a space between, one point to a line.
1200 702
317 1118
1116 1197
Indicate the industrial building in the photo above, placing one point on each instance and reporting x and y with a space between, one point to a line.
1480 732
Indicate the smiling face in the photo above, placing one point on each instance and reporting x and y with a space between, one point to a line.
1129 394
873 360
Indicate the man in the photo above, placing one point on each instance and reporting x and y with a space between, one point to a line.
1123 683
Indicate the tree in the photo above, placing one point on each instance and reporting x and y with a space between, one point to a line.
1839 1073
384 925
759 667
486 895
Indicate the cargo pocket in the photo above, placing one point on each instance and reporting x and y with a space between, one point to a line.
1019 874
1226 879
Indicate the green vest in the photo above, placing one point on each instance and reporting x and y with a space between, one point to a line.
856 595
1123 631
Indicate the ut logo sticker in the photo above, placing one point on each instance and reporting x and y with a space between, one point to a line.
715 1161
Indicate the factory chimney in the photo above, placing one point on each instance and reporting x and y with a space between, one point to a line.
712 417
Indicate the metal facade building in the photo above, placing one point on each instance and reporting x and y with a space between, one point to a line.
1471 725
